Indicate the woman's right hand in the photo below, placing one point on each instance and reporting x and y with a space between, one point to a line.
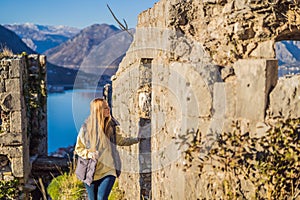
94 155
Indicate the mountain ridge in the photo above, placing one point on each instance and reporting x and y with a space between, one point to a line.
56 75
71 53
42 37
10 40
88 49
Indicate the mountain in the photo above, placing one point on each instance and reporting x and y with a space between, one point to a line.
72 53
42 37
71 78
10 40
288 55
288 51
99 49
56 75
105 58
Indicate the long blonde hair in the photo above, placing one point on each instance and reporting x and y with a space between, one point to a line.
98 127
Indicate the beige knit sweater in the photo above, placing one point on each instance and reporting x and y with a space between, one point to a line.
105 164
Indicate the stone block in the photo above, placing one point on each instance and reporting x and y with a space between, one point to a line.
4 75
2 86
224 104
210 1
17 155
5 63
11 139
240 4
191 88
7 176
219 100
261 129
17 167
285 98
255 79
16 122
264 50
13 85
15 68
42 61
228 8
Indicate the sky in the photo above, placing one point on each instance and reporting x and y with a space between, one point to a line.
73 13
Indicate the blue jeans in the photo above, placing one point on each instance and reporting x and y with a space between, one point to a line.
100 189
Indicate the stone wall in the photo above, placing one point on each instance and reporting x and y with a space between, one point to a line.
285 99
212 62
236 29
23 128
36 99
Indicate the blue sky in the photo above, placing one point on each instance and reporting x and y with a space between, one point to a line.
74 13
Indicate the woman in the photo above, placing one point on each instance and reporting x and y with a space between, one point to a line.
97 140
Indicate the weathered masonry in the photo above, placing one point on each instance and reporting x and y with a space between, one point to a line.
23 129
211 62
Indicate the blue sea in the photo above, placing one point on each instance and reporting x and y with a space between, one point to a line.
66 112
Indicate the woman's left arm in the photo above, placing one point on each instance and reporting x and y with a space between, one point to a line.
124 141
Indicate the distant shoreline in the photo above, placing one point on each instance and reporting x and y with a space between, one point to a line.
63 87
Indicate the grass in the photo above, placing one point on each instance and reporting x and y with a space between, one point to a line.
116 192
5 52
68 187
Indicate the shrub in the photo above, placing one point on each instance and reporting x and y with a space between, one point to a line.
66 187
266 167
5 52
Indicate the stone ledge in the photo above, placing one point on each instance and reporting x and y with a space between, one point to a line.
45 165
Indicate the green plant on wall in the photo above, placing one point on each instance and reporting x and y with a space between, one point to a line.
280 163
266 167
9 189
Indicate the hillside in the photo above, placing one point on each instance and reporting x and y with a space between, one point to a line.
106 57
288 55
288 51
13 42
71 53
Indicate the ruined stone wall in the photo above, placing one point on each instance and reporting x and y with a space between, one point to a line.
23 128
212 63
236 29
36 99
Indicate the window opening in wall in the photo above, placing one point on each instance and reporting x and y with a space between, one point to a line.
4 121
288 55
145 71
144 95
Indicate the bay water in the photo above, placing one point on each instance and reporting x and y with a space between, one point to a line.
66 113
